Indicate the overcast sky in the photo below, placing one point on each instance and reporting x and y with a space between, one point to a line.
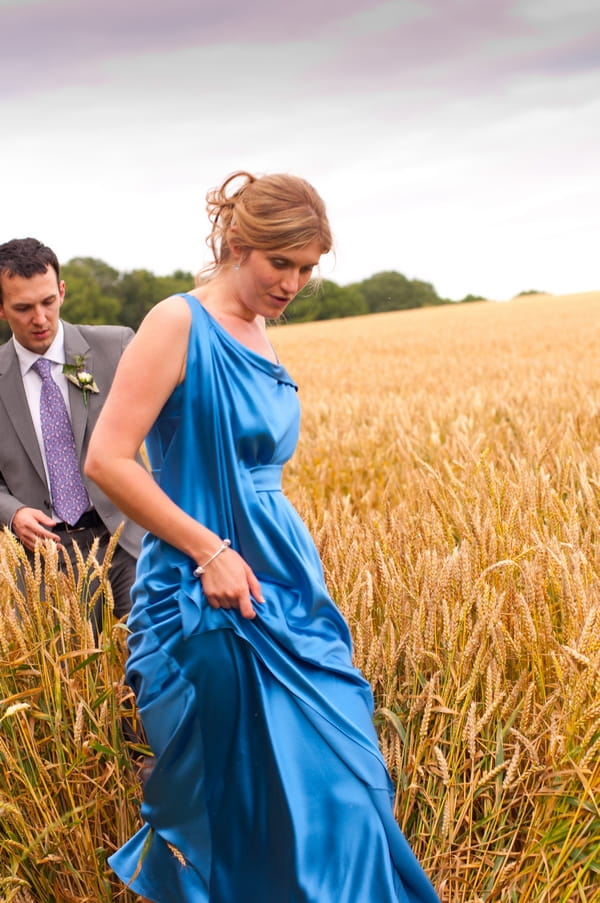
456 141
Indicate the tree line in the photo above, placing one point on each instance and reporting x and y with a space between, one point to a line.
98 293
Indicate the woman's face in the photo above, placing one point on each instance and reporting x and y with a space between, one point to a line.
269 280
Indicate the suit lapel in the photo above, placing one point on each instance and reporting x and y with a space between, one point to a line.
76 344
15 402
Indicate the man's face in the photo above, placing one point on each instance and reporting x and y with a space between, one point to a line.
31 307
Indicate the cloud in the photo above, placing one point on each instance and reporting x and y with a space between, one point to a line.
453 140
68 40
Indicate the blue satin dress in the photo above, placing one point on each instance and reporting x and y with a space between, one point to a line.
269 786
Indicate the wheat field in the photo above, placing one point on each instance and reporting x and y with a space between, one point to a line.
449 470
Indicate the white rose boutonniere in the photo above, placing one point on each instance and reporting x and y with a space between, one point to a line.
81 377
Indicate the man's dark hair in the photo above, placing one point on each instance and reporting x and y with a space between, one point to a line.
26 257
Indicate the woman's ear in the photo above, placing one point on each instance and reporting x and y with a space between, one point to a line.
238 253
234 247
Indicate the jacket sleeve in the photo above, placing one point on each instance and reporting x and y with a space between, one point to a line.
9 504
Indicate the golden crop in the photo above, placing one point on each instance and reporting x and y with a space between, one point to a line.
449 469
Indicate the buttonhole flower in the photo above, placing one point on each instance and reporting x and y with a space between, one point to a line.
80 376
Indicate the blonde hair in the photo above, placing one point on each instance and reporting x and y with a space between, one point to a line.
266 213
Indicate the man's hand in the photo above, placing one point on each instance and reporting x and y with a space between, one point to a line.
31 524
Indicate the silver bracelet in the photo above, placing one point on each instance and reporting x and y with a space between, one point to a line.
202 567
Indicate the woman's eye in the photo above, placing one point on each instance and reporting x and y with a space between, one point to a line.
279 264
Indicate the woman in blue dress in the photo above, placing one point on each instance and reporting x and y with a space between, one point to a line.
268 784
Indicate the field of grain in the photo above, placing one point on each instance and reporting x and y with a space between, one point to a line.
449 469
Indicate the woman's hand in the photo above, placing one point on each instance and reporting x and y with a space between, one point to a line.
229 582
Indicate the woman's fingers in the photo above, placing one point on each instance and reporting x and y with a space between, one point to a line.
230 583
241 601
247 608
254 586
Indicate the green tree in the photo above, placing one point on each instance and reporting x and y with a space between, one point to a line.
85 300
385 291
106 277
390 290
326 301
468 298
139 290
424 294
138 293
341 301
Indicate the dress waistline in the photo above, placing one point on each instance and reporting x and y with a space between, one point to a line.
266 477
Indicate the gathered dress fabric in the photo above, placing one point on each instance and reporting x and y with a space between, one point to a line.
268 784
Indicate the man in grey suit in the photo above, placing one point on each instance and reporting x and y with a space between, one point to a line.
82 360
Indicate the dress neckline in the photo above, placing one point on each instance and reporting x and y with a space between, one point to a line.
275 369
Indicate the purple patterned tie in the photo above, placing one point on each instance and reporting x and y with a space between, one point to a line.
69 495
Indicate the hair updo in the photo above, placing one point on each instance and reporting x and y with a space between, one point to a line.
266 213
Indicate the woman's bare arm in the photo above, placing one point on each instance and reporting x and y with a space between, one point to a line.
151 367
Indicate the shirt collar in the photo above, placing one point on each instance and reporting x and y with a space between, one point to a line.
55 353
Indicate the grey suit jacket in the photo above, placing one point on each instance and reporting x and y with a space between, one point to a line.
22 476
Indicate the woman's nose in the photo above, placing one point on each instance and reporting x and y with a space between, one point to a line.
291 281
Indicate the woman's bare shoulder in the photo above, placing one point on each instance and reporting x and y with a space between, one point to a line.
175 306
